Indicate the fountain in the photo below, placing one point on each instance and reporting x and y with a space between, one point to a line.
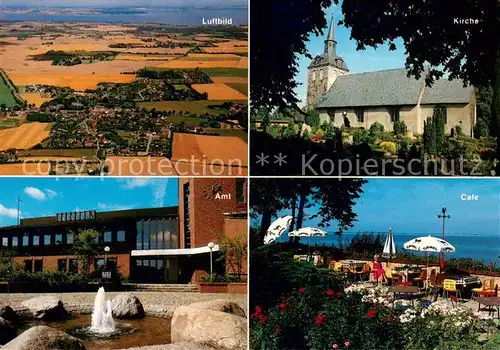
102 316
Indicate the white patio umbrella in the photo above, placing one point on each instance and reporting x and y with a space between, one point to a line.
307 232
277 228
429 244
389 247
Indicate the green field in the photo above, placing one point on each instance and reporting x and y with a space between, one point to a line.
9 123
242 134
241 87
197 107
188 121
49 152
6 96
225 72
213 58
124 134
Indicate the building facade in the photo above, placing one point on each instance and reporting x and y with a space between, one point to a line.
386 97
156 245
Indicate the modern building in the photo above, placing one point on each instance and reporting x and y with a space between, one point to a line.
163 245
386 97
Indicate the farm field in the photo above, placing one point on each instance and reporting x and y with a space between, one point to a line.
24 136
198 107
139 166
6 96
9 123
78 82
241 87
181 63
226 72
27 169
188 121
242 134
218 91
225 80
34 98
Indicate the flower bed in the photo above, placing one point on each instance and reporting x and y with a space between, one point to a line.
363 318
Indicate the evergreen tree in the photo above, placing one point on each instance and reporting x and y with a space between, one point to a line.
312 119
290 131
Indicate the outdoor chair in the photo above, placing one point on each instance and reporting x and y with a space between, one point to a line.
365 275
422 278
491 286
483 288
388 276
436 287
450 286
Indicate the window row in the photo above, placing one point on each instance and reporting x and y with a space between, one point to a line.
56 239
394 114
157 234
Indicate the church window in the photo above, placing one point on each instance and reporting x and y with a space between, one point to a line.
320 74
331 114
394 112
314 75
360 114
443 111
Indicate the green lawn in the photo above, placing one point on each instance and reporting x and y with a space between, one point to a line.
188 121
181 87
6 96
197 107
225 72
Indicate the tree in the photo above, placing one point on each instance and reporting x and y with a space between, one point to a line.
484 97
282 38
312 119
431 36
86 248
233 252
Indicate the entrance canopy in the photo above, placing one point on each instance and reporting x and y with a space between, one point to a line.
175 252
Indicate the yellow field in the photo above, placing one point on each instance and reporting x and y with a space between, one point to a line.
79 82
27 169
214 56
242 64
34 97
223 80
225 49
24 136
198 64
219 91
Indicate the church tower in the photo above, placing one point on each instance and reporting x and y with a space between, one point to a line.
324 69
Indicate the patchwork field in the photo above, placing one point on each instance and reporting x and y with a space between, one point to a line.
54 154
226 80
27 169
9 123
241 87
35 98
218 91
78 82
181 63
24 136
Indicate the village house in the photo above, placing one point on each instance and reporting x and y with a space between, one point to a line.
386 97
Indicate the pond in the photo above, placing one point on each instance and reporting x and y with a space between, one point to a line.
135 333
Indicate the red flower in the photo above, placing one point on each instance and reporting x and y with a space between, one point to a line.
262 319
330 292
338 294
258 311
371 313
283 305
347 343
335 346
302 290
320 319
454 298
277 331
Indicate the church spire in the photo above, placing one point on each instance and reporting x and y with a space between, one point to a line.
330 43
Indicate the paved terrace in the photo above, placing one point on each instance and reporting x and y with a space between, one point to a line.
159 303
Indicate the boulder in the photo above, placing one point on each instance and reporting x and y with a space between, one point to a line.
222 305
216 329
43 338
7 331
127 305
46 307
8 313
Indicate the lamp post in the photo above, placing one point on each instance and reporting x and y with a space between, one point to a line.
444 217
106 250
211 247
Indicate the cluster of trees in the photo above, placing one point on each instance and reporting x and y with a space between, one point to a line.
42 117
434 132
176 77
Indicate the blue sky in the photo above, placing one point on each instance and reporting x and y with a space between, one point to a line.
49 196
357 61
412 206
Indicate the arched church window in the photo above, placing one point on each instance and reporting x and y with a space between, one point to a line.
314 75
321 75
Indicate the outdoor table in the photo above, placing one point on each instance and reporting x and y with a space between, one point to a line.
404 290
489 301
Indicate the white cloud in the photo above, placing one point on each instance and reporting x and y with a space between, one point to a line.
50 193
136 182
35 193
11 213
113 207
159 192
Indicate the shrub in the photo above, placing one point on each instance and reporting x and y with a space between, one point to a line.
400 128
388 147
376 128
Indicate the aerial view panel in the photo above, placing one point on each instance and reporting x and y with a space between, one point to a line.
157 89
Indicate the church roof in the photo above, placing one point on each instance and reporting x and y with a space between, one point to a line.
390 88
325 60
